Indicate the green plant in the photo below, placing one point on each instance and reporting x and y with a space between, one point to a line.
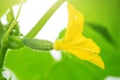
100 29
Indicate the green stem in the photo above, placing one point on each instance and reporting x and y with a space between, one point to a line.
3 47
34 31
2 59
4 39
2 56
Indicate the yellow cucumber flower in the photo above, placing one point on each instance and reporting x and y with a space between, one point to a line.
75 43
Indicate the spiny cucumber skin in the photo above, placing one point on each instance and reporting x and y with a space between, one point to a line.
38 44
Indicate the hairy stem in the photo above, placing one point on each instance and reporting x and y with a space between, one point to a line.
34 31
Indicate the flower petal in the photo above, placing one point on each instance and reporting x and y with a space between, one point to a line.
96 59
75 25
88 56
86 50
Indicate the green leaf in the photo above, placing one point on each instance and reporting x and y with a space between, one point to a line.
102 31
71 68
6 4
61 34
28 64
33 65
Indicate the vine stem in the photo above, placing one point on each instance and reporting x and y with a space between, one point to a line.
3 51
34 31
2 56
12 25
3 47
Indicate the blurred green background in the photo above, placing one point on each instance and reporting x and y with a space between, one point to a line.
102 24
